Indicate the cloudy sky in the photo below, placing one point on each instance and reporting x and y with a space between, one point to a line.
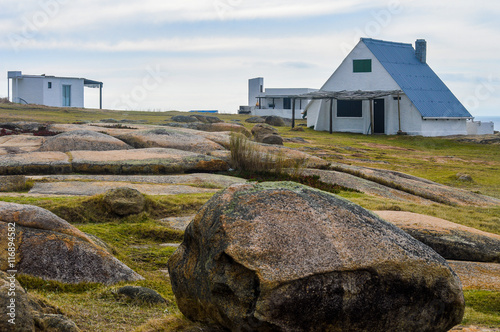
199 54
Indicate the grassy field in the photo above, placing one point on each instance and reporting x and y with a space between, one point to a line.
136 240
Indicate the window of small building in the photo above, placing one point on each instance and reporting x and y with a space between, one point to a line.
349 108
362 66
49 85
287 103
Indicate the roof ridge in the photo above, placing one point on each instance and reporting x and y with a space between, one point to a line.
386 42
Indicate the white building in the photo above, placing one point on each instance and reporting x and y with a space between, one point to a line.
274 101
50 90
387 88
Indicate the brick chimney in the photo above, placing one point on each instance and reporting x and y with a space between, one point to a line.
421 50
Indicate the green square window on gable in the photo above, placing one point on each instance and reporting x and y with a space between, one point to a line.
362 66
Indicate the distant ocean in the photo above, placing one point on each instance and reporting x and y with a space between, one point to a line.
495 119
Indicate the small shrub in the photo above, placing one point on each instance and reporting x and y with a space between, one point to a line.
247 157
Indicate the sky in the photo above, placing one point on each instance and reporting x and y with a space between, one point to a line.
199 54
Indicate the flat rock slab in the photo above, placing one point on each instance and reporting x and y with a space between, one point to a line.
109 128
170 138
35 163
418 186
222 138
213 127
196 179
366 186
25 143
179 223
145 161
83 140
450 240
475 275
79 188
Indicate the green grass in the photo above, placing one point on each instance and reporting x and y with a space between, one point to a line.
81 210
482 308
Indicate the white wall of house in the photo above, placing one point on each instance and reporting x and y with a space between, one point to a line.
444 127
27 90
35 90
278 112
344 78
255 88
411 120
54 95
313 109
480 128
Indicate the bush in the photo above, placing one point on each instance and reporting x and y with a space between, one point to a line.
247 157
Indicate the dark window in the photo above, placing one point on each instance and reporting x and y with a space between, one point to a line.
350 108
362 66
50 85
287 103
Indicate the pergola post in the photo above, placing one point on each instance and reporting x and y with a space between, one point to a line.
399 113
371 116
100 96
293 113
331 115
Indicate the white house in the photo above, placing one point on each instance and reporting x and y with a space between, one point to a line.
274 101
387 88
50 90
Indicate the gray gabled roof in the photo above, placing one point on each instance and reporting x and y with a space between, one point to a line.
423 87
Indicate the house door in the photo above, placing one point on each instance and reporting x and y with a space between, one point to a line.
66 94
379 116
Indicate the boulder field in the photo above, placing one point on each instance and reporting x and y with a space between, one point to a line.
285 257
107 149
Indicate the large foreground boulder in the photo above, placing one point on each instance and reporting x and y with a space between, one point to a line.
285 257
450 240
83 140
49 247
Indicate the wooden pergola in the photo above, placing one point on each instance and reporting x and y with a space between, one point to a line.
346 95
